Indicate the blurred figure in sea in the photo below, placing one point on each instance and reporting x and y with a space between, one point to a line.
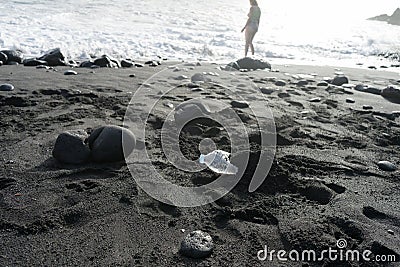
251 26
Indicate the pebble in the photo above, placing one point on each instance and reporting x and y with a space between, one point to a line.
350 100
302 83
280 83
6 87
368 107
315 100
387 166
138 65
110 143
322 84
266 90
70 147
70 72
390 232
340 80
239 104
197 244
132 76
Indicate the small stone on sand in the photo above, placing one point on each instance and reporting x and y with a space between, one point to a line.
197 244
70 72
350 100
280 83
239 104
387 166
6 87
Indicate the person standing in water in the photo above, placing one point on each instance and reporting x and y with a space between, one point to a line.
251 26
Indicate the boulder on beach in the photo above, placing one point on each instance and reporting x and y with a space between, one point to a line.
392 94
110 143
13 56
70 147
53 58
249 63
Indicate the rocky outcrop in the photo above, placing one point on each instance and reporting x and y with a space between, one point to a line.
394 19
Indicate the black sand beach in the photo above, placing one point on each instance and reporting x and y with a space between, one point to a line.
324 184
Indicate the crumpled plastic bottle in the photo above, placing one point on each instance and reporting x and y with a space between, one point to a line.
218 162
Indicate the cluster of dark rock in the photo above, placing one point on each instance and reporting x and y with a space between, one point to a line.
394 19
56 58
105 144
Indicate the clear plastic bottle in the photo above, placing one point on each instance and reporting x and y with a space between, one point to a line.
218 161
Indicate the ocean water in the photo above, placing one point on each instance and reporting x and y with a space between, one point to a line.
193 30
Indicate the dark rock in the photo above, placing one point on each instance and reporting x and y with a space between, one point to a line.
54 58
302 83
103 62
138 65
109 143
13 63
3 57
86 64
368 107
70 147
387 166
13 56
280 83
132 75
248 63
70 72
127 63
6 87
239 104
197 244
340 80
323 83
367 89
392 94
372 67
350 100
32 62
284 95
266 90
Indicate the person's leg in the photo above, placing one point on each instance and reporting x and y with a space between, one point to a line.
251 42
247 35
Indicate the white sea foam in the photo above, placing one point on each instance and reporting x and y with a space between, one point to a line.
183 29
